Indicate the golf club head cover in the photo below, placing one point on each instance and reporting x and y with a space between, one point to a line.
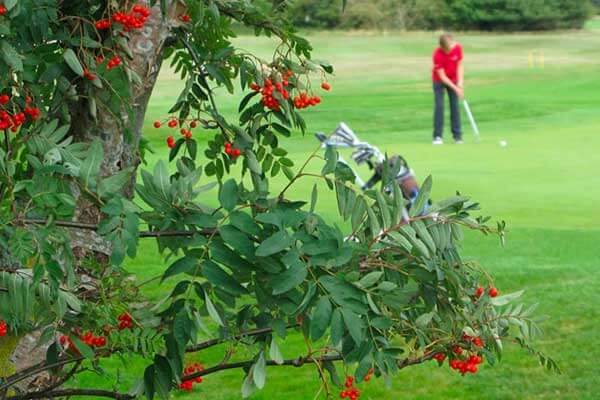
344 135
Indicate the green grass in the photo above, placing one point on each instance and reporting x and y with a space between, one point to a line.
545 184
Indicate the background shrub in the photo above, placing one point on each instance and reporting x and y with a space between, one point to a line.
487 15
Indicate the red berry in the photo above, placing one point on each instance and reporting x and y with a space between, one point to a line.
88 75
172 123
3 10
457 350
349 381
3 328
171 144
236 152
185 18
493 292
4 99
157 124
478 342
193 124
479 292
326 86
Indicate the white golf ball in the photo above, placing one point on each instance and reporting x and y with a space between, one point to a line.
503 143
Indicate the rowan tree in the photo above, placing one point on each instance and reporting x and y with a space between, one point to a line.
373 294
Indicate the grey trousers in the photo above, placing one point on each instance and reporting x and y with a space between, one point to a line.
438 116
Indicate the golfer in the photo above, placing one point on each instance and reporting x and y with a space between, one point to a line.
448 76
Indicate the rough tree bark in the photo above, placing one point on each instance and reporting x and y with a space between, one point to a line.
147 47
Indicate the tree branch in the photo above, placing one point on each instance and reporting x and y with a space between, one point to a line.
297 362
94 227
72 392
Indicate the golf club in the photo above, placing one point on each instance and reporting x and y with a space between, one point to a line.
472 120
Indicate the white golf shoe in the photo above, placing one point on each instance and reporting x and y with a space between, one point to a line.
437 141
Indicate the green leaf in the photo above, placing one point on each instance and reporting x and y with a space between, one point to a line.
422 198
507 298
277 242
248 386
354 324
215 275
358 213
384 210
290 278
259 371
313 198
373 222
237 240
320 318
90 167
370 279
337 327
252 162
73 62
10 4
274 352
212 311
244 222
114 183
183 265
228 194
424 319
11 56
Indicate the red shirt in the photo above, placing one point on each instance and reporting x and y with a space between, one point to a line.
448 62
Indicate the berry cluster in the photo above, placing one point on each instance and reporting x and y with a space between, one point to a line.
115 61
351 392
476 340
234 153
369 375
67 343
3 328
492 291
268 100
186 133
125 321
135 19
14 121
304 100
93 341
88 338
468 365
188 385
173 123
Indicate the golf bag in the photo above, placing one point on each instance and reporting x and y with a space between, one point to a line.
365 153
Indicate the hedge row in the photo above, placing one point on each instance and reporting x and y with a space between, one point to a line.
503 15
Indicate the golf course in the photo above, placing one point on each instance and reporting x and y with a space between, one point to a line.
536 167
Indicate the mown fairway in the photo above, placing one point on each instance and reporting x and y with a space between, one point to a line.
545 184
